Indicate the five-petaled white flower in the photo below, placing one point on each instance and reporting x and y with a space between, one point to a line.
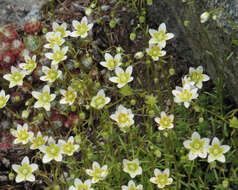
100 100
198 147
52 151
132 167
216 151
123 117
38 141
79 185
197 76
165 121
160 36
43 98
132 186
111 62
16 77
22 134
161 178
54 39
29 65
25 170
51 74
97 172
155 52
62 29
123 77
81 28
3 99
68 147
69 96
58 54
185 94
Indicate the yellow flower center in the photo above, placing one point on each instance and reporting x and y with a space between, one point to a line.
16 77
82 187
162 179
58 56
216 150
38 141
165 122
132 167
155 51
160 36
23 135
52 74
61 30
70 96
82 29
185 96
196 76
25 171
68 148
45 98
112 63
122 118
123 78
53 150
197 145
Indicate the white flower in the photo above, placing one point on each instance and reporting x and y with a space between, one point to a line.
123 117
161 178
62 29
204 17
16 77
44 98
155 52
79 185
29 65
185 94
165 121
51 152
54 39
132 186
38 141
22 134
69 96
3 99
100 100
132 167
68 147
58 54
51 74
160 36
197 76
111 62
81 28
216 151
25 170
123 77
97 172
197 146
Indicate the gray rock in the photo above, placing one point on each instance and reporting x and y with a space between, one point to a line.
192 44
19 11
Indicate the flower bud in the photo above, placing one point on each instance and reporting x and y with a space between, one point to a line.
11 176
112 23
139 55
225 183
204 17
88 11
133 102
25 114
133 36
149 2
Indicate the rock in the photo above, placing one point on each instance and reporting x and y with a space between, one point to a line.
193 44
19 11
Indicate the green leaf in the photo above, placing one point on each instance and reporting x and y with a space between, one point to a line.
234 122
126 91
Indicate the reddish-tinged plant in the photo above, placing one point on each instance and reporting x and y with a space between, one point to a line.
9 34
74 119
8 59
17 46
57 120
32 26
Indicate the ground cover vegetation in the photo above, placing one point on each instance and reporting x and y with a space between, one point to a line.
88 116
